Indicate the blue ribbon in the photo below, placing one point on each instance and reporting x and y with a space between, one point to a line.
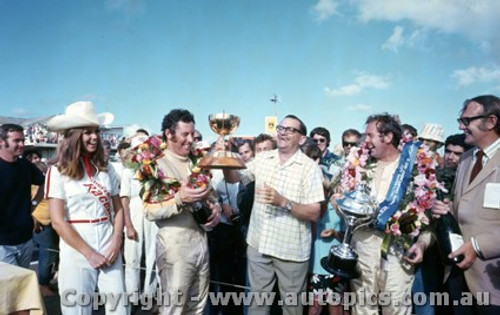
399 182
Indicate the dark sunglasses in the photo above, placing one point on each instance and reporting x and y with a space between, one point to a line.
197 139
349 144
320 140
467 120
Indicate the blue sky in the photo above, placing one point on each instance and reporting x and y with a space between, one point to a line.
332 63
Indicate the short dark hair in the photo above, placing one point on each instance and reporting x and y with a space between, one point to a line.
250 144
302 128
351 132
30 151
141 130
6 128
457 139
412 130
311 149
491 106
265 137
322 131
387 123
123 146
171 120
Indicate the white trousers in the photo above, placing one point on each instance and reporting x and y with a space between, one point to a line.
385 283
78 280
132 251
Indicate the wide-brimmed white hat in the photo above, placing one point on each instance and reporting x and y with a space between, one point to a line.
78 115
434 132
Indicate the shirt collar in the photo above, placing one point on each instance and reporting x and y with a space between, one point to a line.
490 150
297 157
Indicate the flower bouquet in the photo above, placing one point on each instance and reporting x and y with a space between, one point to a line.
414 213
199 178
156 186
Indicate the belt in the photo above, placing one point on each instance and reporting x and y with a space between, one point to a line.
103 219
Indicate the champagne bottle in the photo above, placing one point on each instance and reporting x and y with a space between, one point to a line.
448 234
201 212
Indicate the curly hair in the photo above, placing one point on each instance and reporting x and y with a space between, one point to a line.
387 123
171 120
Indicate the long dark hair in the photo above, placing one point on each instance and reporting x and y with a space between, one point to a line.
69 152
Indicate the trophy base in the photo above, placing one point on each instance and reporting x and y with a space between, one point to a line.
346 269
222 160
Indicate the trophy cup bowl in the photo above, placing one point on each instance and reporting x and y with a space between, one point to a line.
223 124
358 209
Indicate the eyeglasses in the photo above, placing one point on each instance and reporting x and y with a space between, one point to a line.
287 130
196 139
466 120
319 140
349 144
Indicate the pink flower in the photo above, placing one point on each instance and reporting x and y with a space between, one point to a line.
394 228
155 141
420 180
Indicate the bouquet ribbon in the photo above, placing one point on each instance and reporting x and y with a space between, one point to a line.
398 185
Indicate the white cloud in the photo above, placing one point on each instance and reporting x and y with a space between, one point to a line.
414 37
472 75
352 89
361 82
476 20
395 40
324 9
360 108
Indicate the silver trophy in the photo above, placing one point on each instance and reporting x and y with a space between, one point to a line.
358 209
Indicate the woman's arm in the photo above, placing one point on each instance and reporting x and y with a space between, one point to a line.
72 237
131 232
114 249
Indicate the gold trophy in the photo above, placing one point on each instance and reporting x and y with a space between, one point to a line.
223 124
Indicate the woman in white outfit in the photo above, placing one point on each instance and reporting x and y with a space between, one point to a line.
86 212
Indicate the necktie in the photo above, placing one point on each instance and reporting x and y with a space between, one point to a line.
477 166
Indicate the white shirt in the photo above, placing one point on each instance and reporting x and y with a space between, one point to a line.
84 199
272 230
130 186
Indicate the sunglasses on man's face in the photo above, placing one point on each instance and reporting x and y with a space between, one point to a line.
319 140
349 144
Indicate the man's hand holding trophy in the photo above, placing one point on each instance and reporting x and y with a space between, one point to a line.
358 209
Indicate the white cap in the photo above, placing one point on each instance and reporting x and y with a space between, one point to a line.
434 132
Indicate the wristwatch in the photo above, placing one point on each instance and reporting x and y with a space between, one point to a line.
288 206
